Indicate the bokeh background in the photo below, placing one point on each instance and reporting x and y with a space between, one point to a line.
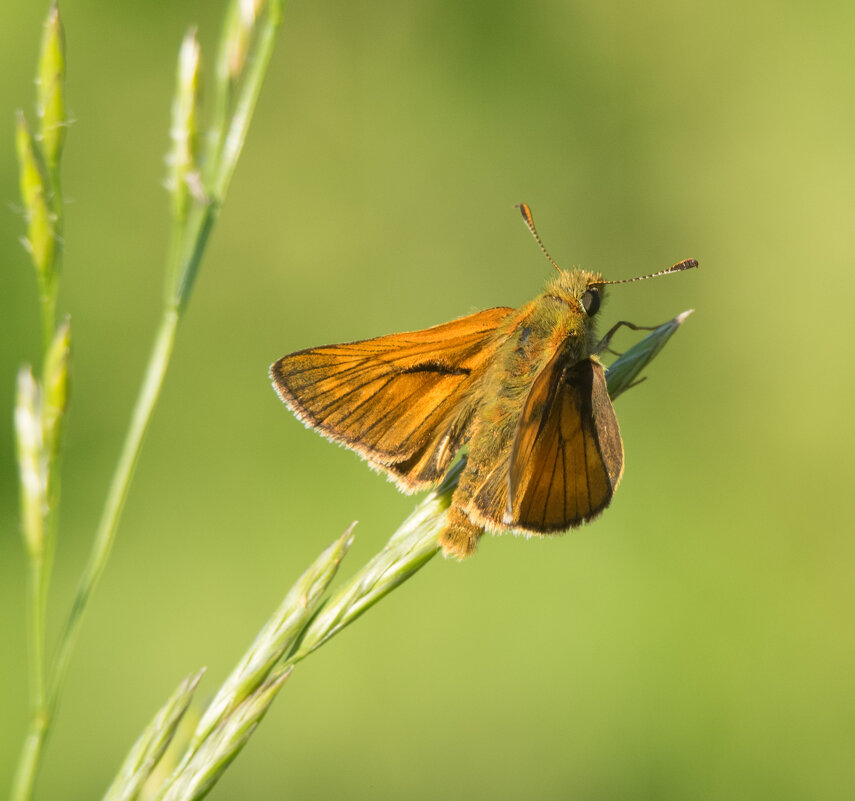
697 641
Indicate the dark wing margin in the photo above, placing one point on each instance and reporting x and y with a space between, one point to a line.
567 456
397 400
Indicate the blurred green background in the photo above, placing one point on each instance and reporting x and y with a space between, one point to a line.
697 641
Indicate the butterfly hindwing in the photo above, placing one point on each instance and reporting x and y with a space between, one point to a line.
567 457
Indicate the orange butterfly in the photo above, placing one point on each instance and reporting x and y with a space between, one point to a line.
523 389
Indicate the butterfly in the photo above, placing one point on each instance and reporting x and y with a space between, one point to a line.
522 389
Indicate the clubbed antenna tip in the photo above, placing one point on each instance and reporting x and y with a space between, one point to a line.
529 221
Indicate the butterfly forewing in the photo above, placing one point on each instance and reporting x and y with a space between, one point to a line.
396 400
567 457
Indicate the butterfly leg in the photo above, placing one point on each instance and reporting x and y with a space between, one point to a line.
460 536
604 342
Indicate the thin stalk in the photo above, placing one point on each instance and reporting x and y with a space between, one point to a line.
40 567
48 312
149 394
190 235
221 102
203 218
25 776
51 288
42 719
42 198
247 100
199 228
37 637
49 281
174 261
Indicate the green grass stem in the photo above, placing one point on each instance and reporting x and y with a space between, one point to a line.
195 211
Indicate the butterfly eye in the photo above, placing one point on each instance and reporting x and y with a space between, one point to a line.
591 301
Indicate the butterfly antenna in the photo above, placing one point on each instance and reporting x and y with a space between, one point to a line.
686 264
529 221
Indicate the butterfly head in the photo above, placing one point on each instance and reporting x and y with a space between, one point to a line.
569 308
579 288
